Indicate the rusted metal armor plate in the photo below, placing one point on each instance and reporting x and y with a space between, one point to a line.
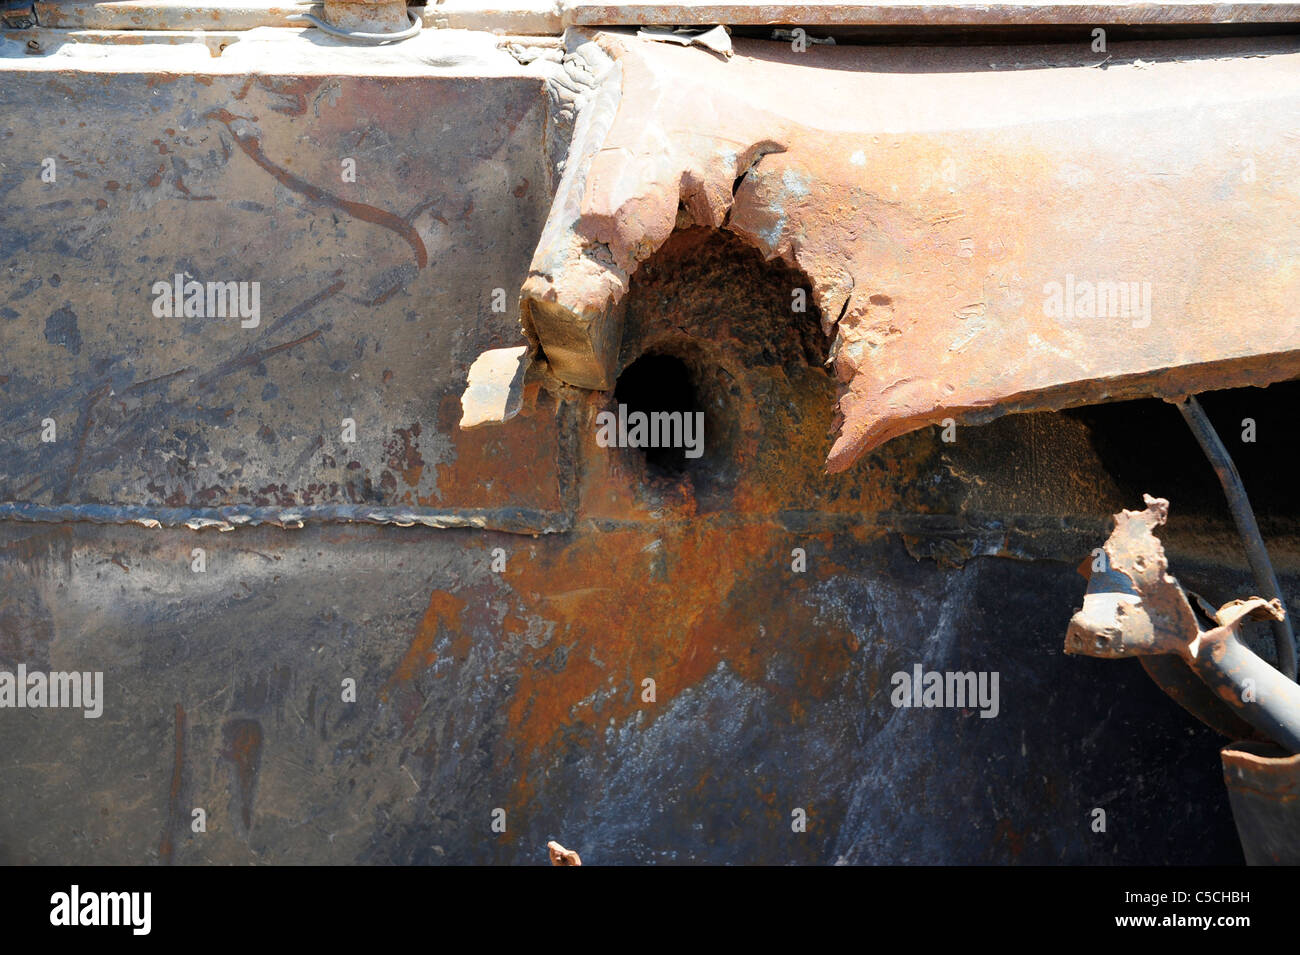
339 205
984 230
517 686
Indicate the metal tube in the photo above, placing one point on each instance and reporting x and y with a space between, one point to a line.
1244 516
415 23
1261 695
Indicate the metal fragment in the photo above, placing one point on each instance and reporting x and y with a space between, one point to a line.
494 393
562 856
716 39
1263 784
1134 607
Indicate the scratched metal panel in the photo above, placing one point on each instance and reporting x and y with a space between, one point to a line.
521 691
374 294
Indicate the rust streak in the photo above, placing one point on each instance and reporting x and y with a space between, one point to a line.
442 616
151 381
243 738
359 210
303 307
250 358
83 427
167 848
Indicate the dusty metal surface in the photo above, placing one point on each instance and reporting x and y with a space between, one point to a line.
533 17
500 677
985 234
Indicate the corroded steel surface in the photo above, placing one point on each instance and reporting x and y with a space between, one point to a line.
493 670
523 689
967 229
233 177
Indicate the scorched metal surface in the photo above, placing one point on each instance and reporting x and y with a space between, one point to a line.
332 687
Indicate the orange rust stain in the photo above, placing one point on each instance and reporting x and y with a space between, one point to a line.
243 739
443 612
484 469
402 454
620 620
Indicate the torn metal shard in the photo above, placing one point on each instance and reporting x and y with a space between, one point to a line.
495 389
1133 606
715 38
562 856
